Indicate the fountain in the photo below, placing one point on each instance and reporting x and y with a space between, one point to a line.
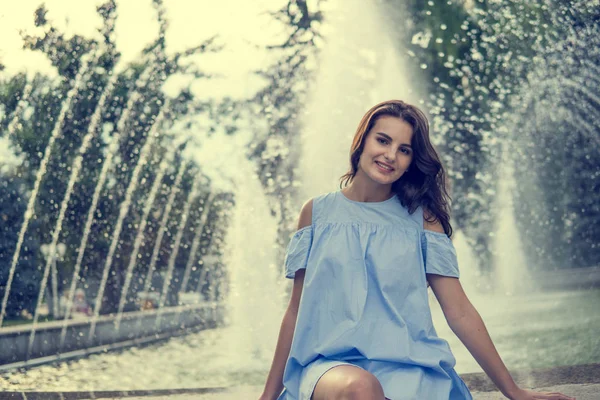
12 125
194 248
150 77
140 232
122 213
106 166
161 231
29 213
176 245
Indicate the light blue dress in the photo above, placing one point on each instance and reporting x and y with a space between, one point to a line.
364 300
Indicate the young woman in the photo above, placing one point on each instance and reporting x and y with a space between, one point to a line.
358 324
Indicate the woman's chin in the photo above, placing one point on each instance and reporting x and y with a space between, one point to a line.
382 179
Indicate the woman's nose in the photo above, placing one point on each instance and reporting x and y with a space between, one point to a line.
390 155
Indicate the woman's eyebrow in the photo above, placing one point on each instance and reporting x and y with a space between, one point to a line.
390 139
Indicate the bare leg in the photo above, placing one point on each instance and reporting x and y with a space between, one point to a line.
346 382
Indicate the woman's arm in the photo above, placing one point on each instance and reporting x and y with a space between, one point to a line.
274 383
466 323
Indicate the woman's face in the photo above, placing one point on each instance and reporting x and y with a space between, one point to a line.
387 151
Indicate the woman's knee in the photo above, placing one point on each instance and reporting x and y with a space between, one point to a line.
362 386
348 382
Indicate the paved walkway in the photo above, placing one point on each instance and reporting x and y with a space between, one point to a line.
579 391
580 381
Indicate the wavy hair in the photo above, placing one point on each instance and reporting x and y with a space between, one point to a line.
424 182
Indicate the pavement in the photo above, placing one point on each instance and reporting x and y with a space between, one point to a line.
580 391
579 381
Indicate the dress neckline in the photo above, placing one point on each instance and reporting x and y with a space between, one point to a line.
373 203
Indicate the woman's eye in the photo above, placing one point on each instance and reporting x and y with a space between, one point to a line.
382 141
405 151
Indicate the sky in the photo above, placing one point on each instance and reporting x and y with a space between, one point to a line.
238 23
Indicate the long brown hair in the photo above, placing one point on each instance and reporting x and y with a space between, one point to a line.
424 183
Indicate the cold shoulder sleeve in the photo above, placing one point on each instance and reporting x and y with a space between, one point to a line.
439 254
296 255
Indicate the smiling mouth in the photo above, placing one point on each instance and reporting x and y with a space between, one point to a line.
384 167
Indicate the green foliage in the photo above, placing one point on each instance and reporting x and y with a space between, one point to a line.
141 81
488 67
28 276
460 77
556 147
279 103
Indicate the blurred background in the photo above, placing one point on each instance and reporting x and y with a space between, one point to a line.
154 156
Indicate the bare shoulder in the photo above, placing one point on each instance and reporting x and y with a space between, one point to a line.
431 223
305 218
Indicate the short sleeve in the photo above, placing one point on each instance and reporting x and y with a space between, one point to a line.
439 254
296 255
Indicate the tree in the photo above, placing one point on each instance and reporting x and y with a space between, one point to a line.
487 67
280 101
27 275
134 101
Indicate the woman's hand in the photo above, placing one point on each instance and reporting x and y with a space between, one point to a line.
522 394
